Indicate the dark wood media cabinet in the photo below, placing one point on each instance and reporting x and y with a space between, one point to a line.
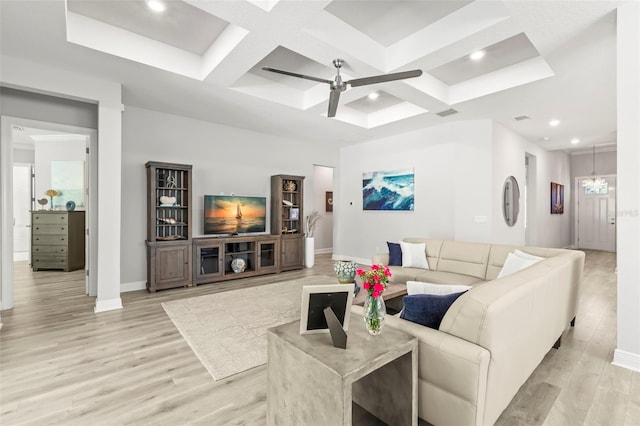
226 258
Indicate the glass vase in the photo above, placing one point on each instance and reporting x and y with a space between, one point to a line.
374 312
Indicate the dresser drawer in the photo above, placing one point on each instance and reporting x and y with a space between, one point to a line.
49 240
50 229
50 218
49 262
49 250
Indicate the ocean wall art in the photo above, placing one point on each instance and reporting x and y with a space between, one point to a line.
388 190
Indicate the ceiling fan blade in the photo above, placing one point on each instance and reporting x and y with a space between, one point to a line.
384 77
293 74
334 97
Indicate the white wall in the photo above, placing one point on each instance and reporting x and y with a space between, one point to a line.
224 159
582 164
627 353
459 173
509 151
452 166
26 156
323 235
45 153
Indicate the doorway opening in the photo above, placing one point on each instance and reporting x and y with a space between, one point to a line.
44 156
323 204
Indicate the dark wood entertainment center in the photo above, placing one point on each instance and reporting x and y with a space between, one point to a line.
175 259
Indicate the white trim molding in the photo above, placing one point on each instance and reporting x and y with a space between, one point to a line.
107 305
626 359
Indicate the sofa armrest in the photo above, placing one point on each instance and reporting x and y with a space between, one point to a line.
380 259
452 374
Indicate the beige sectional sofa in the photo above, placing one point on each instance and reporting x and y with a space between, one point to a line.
494 335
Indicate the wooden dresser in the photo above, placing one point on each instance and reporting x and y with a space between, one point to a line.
57 240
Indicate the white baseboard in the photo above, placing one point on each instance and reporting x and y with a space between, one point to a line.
133 286
324 250
20 256
107 305
626 360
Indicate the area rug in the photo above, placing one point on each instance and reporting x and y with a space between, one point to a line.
227 330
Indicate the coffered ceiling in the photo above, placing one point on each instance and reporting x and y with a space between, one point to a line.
204 59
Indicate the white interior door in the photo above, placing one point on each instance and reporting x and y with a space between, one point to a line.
21 211
597 217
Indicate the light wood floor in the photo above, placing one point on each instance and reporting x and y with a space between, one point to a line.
62 364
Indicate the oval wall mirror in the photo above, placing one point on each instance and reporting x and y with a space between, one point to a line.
510 200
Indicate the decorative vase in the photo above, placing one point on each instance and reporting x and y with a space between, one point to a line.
309 252
345 271
374 312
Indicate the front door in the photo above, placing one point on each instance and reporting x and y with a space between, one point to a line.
597 217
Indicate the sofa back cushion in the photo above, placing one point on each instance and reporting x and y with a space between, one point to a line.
432 247
464 258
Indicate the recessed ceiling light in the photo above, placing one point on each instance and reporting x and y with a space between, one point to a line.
575 141
477 55
554 122
546 138
374 95
156 5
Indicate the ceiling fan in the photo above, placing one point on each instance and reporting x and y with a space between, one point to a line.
338 86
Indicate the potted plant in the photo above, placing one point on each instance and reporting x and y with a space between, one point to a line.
309 241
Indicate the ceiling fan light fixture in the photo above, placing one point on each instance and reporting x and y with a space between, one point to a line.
156 5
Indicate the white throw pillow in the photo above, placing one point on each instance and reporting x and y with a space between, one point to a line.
514 264
414 255
418 287
528 256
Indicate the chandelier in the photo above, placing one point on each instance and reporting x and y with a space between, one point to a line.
594 184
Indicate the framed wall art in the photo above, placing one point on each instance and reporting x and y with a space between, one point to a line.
328 201
557 198
388 190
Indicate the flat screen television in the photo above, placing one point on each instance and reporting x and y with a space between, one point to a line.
231 214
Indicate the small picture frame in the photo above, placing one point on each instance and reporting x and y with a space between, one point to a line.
328 201
294 214
315 298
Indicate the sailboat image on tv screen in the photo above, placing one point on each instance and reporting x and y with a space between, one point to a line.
232 214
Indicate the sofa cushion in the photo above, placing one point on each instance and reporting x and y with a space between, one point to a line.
419 287
402 275
414 255
439 277
427 309
464 258
528 256
395 254
514 264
